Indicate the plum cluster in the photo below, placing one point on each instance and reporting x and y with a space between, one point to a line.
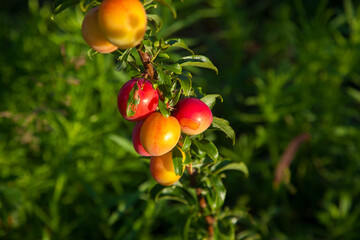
121 24
114 24
155 135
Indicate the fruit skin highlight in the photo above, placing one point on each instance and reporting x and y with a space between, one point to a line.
162 169
193 115
92 34
159 134
123 22
136 140
148 97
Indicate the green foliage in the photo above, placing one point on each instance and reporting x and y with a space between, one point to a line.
67 166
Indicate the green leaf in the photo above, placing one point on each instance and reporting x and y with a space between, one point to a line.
185 83
237 166
208 147
133 101
163 78
60 5
210 99
188 159
132 62
159 192
169 4
224 126
156 191
147 2
176 68
179 43
355 94
186 228
123 59
176 98
226 228
163 109
177 158
220 191
124 143
197 61
173 198
186 144
156 20
164 55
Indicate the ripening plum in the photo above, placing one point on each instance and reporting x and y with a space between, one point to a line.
162 169
193 115
136 140
148 99
123 22
92 35
159 134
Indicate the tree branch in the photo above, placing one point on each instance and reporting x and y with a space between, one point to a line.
210 220
146 60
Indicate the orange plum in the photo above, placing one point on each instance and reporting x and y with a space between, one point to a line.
123 22
159 134
92 35
162 169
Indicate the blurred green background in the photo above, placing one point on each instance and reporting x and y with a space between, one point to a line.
67 166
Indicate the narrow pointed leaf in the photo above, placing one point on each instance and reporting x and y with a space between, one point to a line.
163 109
188 159
60 5
169 4
177 161
133 101
237 166
197 61
179 43
185 83
187 143
224 126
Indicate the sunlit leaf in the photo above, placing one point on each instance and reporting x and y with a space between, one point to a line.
163 109
177 161
210 99
188 159
176 68
187 143
197 61
208 147
185 83
163 78
60 5
224 126
237 166
133 101
179 43
156 20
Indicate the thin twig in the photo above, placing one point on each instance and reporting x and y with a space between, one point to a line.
210 220
289 155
